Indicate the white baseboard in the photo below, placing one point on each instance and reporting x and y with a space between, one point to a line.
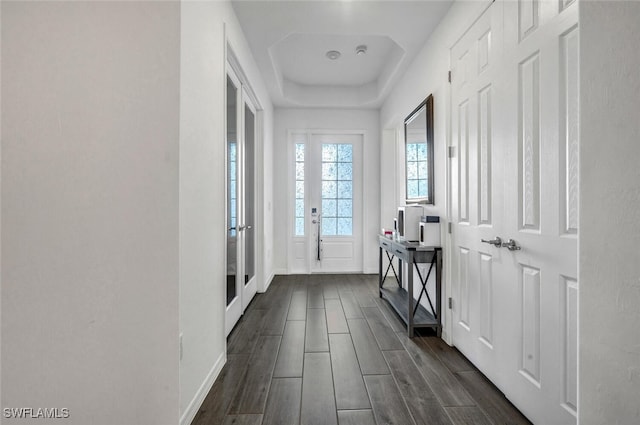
268 281
280 271
194 405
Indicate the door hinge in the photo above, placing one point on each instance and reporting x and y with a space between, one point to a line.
451 151
449 227
450 303
449 76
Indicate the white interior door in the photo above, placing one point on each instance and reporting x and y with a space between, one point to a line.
234 265
326 203
514 175
476 193
247 229
541 186
240 200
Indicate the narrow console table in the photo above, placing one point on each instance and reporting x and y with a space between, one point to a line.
414 314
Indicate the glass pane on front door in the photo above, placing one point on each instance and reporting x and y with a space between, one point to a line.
337 189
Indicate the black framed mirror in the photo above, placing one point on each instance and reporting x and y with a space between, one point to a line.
418 149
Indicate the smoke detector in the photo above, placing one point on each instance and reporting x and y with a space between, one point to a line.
333 54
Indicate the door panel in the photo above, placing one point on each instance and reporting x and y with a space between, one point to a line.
234 301
544 164
486 299
569 101
484 155
530 322
248 230
335 188
476 201
515 130
529 143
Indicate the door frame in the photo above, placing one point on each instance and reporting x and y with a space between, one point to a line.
309 133
232 66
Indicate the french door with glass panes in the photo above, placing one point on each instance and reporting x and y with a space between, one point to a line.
327 203
240 200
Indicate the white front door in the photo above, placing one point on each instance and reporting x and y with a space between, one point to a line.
514 175
326 203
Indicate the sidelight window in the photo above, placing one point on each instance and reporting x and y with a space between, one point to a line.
299 207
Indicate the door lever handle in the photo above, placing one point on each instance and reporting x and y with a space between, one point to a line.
511 245
497 241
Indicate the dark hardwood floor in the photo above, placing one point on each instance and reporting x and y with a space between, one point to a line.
324 349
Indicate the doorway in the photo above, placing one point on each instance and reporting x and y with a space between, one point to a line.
241 283
514 122
326 202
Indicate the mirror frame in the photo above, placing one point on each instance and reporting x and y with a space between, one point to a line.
428 105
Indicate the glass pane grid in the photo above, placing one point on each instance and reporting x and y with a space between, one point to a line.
417 170
299 200
337 189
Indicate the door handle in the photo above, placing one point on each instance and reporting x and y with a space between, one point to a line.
497 241
511 245
241 228
319 241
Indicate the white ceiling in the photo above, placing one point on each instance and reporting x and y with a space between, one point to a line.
302 60
289 40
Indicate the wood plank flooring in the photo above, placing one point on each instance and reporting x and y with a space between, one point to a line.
324 349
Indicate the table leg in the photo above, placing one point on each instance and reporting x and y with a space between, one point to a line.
410 297
380 274
400 272
438 254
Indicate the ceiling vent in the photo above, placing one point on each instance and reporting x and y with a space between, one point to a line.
361 50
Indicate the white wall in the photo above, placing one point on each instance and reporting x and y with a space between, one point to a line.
113 191
202 207
90 123
329 119
426 75
609 386
202 192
